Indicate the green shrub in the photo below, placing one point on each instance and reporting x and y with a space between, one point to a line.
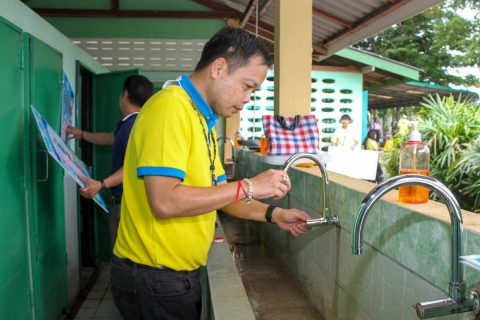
451 130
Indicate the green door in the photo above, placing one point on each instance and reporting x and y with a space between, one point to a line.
43 89
14 265
106 113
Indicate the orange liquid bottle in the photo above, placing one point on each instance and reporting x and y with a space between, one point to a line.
238 136
263 145
413 194
414 159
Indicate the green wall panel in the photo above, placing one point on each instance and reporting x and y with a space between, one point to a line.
14 269
44 77
106 113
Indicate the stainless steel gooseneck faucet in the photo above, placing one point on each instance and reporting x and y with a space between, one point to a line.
326 219
233 147
459 300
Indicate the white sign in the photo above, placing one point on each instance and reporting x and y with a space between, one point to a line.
359 164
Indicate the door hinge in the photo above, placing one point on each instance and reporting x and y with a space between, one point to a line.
22 59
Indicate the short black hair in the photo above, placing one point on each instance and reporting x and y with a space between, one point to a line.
235 45
346 116
139 89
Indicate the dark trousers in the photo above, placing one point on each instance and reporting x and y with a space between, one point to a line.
114 222
161 294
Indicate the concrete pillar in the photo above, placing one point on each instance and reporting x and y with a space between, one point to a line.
293 57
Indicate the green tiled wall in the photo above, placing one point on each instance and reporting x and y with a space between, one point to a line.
406 254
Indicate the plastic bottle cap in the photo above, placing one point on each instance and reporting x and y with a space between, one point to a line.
218 239
415 135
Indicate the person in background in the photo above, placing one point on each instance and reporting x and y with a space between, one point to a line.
377 127
403 125
136 91
389 144
174 182
370 143
343 137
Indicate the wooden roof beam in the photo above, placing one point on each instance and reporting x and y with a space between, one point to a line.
213 5
137 14
332 17
262 32
380 12
373 79
248 12
265 7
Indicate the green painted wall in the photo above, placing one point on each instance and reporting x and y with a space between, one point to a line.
131 28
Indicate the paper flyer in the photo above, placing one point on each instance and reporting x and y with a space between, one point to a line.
59 151
68 106
471 261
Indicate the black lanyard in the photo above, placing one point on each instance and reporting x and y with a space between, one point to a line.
212 159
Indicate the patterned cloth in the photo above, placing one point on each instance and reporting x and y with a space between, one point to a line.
282 141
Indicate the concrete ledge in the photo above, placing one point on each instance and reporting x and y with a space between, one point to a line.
229 298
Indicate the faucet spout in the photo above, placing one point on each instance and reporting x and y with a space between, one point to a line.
233 146
457 284
326 219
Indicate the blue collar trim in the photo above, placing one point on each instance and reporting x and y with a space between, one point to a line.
197 98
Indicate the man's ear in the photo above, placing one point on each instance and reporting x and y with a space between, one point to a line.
125 96
218 66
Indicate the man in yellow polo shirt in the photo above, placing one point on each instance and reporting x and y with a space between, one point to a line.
174 182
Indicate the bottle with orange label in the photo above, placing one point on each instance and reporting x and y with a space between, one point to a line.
414 158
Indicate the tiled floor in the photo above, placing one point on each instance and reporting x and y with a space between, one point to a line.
98 303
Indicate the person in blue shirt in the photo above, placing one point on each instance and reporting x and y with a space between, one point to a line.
136 91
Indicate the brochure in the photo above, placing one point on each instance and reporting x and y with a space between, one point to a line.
59 151
472 261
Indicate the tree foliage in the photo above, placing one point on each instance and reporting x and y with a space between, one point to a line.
434 40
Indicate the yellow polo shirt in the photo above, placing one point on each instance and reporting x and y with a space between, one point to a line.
167 139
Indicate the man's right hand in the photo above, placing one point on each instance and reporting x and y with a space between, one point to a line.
92 187
270 184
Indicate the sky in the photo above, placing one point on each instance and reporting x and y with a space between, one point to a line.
469 14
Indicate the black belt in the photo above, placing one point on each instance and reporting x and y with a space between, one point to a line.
130 263
116 200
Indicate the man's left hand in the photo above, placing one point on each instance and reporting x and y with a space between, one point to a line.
292 220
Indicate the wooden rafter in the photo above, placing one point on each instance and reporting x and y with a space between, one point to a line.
213 5
265 7
380 12
137 14
332 17
248 12
373 79
262 33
